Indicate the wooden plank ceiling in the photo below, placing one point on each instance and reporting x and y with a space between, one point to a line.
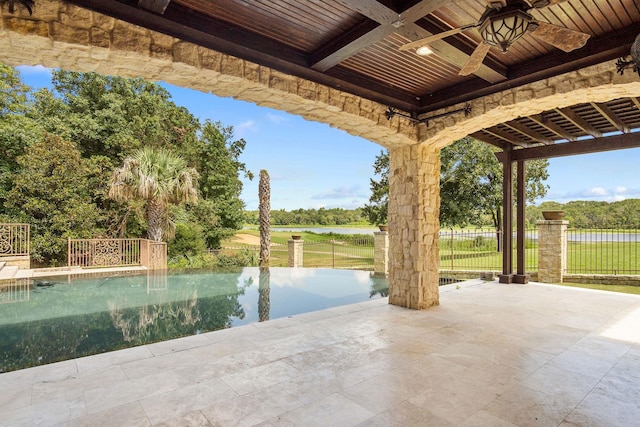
353 45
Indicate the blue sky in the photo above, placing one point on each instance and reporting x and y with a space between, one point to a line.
312 165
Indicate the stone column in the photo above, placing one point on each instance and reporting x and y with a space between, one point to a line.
295 252
552 250
381 252
414 207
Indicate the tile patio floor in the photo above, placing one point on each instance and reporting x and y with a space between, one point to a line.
489 355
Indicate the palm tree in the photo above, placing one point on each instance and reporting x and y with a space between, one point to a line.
264 194
160 178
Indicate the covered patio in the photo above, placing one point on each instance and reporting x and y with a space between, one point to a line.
485 353
491 355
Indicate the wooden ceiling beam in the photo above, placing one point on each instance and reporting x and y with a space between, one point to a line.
155 6
578 121
589 146
611 117
549 125
390 22
481 136
497 133
528 132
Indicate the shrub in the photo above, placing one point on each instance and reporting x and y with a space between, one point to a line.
188 241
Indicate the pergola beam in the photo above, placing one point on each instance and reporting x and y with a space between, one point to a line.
595 145
611 117
579 122
390 22
549 125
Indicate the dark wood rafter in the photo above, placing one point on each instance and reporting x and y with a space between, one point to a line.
390 22
507 137
528 132
156 6
595 145
579 122
611 117
543 121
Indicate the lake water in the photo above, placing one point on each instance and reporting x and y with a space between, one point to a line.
45 320
320 230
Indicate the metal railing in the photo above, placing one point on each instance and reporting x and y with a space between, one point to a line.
353 253
93 253
478 249
595 251
14 239
604 251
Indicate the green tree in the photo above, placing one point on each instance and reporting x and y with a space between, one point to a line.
160 178
217 158
470 185
376 210
114 116
17 130
51 192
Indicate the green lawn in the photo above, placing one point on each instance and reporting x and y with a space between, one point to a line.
627 289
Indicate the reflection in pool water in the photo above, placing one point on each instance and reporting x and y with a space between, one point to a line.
44 320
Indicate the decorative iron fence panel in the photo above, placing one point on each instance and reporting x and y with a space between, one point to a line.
103 252
14 239
604 251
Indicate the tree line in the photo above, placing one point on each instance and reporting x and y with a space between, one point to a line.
59 149
592 214
321 216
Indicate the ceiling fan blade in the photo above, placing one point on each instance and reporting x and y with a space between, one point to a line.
475 60
560 37
425 41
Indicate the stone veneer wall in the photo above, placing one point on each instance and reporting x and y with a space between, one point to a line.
381 252
552 250
295 253
414 208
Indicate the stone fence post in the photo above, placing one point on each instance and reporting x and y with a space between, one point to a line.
381 252
295 251
552 250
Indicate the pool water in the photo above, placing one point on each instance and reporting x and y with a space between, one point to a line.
49 319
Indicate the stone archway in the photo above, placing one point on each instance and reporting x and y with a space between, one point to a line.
60 35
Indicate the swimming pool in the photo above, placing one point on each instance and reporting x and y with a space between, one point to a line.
49 319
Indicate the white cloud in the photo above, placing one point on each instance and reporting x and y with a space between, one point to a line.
620 190
247 125
354 191
277 118
598 191
33 70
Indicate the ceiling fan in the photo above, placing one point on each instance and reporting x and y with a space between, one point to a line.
502 24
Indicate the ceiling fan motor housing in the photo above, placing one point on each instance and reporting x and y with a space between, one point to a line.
502 27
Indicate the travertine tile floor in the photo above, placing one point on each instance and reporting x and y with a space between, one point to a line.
489 355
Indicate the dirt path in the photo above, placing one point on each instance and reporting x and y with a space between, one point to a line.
247 239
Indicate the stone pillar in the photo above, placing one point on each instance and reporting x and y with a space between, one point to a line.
552 250
414 207
381 252
295 252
